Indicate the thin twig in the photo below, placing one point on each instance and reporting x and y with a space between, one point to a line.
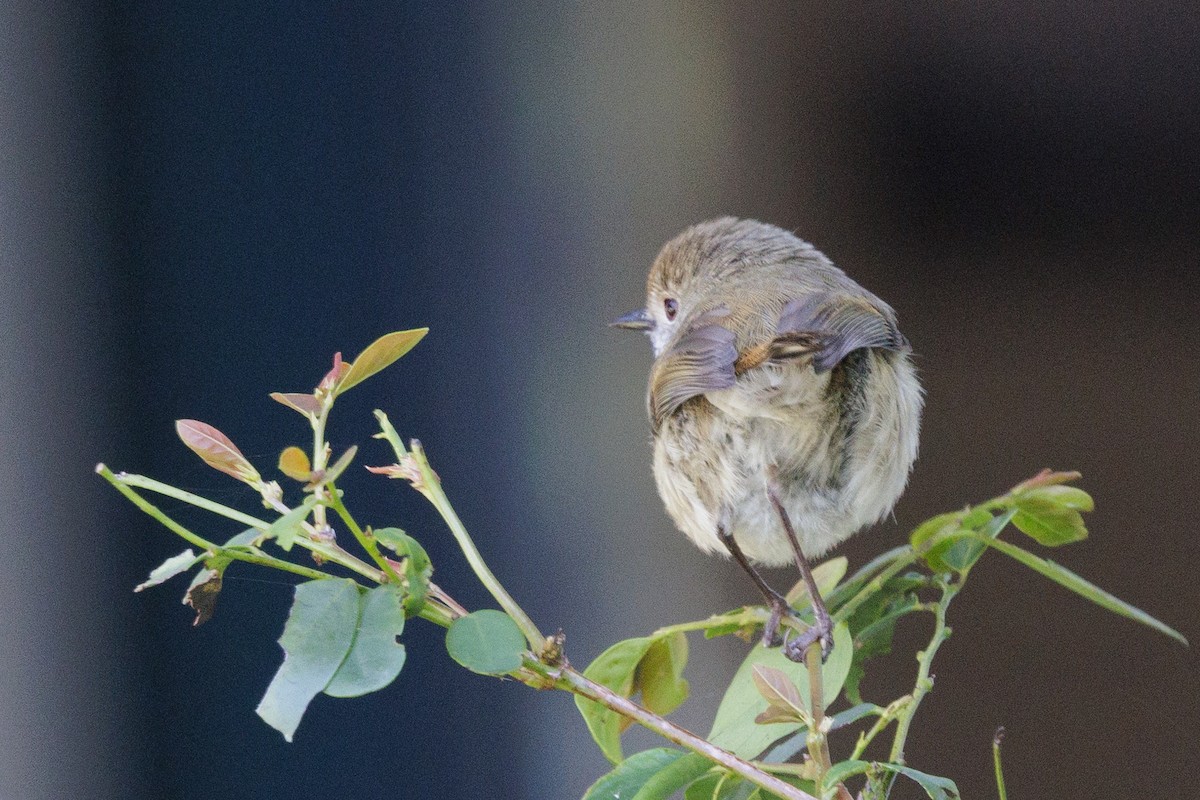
426 481
579 684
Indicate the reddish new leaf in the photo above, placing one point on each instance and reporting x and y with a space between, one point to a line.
216 449
304 403
1047 477
335 375
779 691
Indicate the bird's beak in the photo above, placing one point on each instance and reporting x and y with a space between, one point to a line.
635 321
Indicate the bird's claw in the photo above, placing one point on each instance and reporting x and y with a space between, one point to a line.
821 630
771 634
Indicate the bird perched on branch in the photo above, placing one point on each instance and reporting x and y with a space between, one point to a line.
784 406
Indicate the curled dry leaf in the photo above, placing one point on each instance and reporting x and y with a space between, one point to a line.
216 449
202 594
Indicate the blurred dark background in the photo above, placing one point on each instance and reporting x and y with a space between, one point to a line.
198 205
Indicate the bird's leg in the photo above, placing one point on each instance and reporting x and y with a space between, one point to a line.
777 602
822 627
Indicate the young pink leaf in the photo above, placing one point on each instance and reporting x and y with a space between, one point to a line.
304 403
335 375
1047 477
379 355
776 687
216 449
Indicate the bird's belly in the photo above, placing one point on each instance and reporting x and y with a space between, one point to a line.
715 467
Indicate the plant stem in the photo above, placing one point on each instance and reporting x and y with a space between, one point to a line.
334 500
817 741
576 683
885 719
901 558
426 481
747 616
142 482
238 555
328 551
320 456
1000 790
924 683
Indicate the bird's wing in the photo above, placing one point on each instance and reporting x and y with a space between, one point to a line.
699 360
828 326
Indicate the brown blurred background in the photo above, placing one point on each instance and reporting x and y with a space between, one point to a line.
198 206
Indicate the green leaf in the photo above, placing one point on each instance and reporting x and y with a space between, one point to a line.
417 568
942 523
936 787
375 657
1068 496
247 539
874 623
659 674
627 778
845 769
734 728
487 642
1048 522
959 551
216 449
673 777
1084 588
827 574
722 785
334 472
170 568
318 635
708 786
380 354
288 527
614 668
854 714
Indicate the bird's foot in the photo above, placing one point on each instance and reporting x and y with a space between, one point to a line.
779 609
820 631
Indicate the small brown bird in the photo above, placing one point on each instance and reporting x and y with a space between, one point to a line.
784 406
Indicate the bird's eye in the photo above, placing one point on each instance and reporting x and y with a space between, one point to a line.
671 306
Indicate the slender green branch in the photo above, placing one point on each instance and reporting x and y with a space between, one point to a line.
576 683
327 551
199 541
1000 790
320 456
886 718
334 500
746 616
900 559
426 481
142 482
925 663
817 739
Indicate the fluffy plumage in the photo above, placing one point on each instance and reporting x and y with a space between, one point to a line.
772 365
